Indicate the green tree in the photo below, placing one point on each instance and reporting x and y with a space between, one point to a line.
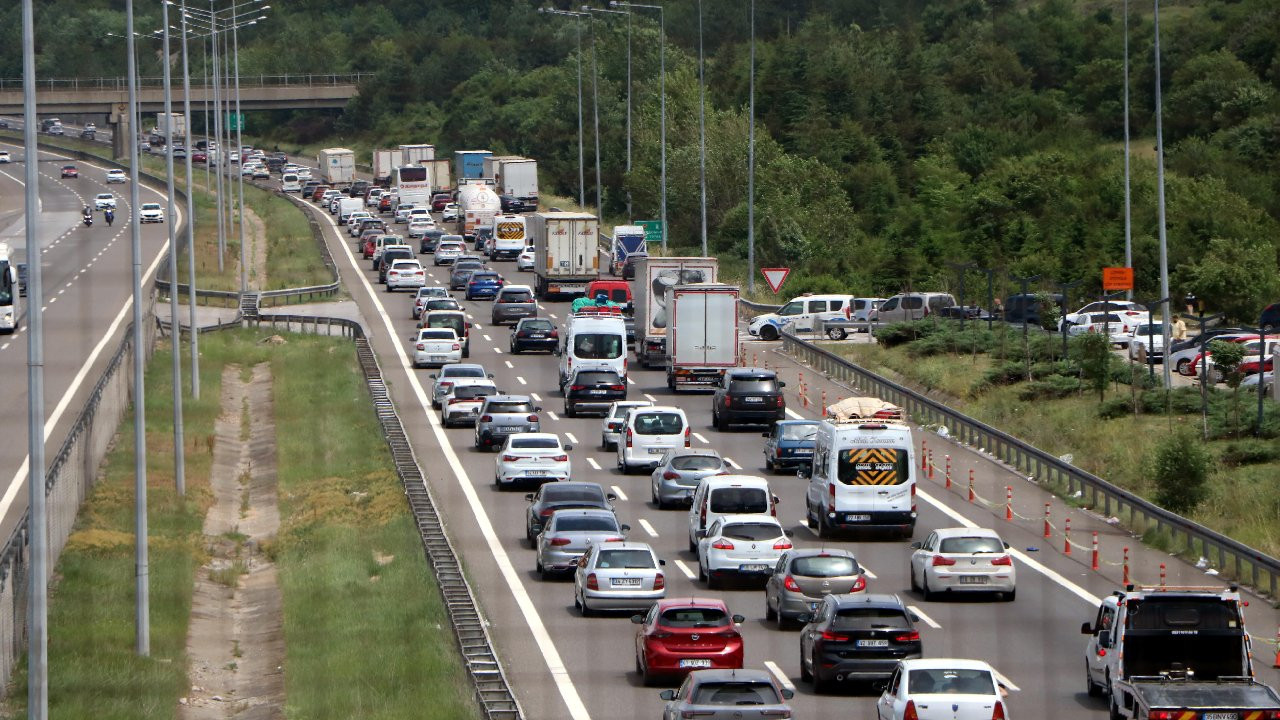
1180 470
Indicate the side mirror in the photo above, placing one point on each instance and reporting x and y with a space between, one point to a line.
776 500
468 326
804 618
538 409
661 561
765 434
788 694
528 496
667 694
568 448
915 617
1086 628
637 619
1006 546
739 619
916 545
490 376
610 497
782 383
432 376
626 528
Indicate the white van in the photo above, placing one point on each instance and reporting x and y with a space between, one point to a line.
721 495
802 314
291 183
647 433
862 477
346 206
509 237
598 340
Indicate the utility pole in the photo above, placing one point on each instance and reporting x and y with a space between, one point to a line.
702 134
179 449
220 155
1164 240
191 217
1128 206
662 82
244 255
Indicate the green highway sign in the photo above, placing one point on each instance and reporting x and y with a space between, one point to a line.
235 121
652 230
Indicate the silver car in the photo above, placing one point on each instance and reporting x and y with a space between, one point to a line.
426 293
679 472
513 302
461 403
568 534
503 416
618 575
611 426
955 560
744 694
561 496
451 373
803 577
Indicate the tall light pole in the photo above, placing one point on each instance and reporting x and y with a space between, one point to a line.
582 178
751 163
1164 244
662 82
619 12
244 257
221 148
595 110
38 584
702 134
1128 207
179 451
191 217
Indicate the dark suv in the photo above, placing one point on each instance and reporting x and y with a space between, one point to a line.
748 395
856 638
597 387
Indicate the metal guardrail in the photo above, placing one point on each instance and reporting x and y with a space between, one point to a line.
1230 557
250 81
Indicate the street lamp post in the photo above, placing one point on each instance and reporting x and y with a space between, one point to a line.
1164 240
662 82
751 161
179 449
582 180
191 233
1128 210
702 135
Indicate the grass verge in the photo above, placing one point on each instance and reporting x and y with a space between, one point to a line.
366 633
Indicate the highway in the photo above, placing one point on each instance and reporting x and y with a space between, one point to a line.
88 293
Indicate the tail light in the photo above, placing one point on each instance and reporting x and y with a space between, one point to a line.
670 475
561 458
456 346
629 444
617 387
834 637
446 383
559 542
997 713
614 539
1002 560
913 636
592 583
421 346
728 401
546 512
486 418
615 425
910 712
783 544
532 418
577 387
511 458
831 497
781 401
555 333
790 584
659 582
722 544
859 585
938 561
687 431
455 400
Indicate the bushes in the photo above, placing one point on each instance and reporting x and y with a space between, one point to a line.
1250 452
1051 387
1180 469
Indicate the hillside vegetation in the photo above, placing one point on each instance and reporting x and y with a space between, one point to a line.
893 138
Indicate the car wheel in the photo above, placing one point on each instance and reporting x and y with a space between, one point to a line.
1092 688
768 332
837 333
928 594
568 409
1011 595
820 686
769 613
721 423
824 531
805 675
604 443
768 464
1182 366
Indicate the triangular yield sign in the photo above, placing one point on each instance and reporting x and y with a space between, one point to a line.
775 277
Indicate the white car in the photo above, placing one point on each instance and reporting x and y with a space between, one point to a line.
531 457
371 200
447 251
1145 333
451 213
450 374
421 213
4 156
418 228
611 425
426 293
436 346
103 201
618 575
956 560
524 261
1118 330
151 213
741 546
405 275
117 176
334 203
401 215
1129 312
304 173
461 404
942 688
649 432
353 222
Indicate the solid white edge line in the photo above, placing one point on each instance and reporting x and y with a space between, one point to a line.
782 677
928 620
648 528
685 569
551 656
618 491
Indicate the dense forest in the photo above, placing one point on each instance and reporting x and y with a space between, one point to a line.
895 139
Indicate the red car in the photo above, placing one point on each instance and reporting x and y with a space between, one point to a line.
370 244
439 200
384 203
199 156
680 635
319 192
70 171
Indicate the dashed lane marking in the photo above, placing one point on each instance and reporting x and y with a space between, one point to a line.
794 415
594 465
928 620
782 677
700 438
650 398
519 379
509 365
535 397
685 569
571 437
618 491
553 416
648 528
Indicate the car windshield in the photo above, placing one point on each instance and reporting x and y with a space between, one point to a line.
537 325
560 494
753 385
804 431
697 462
540 442
695 617
968 545
740 500
625 559
951 682
872 466
735 693
825 566
751 531
437 335
598 346
870 618
456 372
659 424
510 407
579 523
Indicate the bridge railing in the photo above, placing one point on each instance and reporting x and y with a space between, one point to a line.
250 81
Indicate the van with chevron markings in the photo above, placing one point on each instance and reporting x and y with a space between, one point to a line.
863 471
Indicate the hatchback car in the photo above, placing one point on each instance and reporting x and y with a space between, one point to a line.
618 575
425 293
856 638
462 402
748 395
4 154
461 273
512 303
457 372
612 425
524 261
968 688
729 694
956 560
804 576
503 416
594 388
151 213
679 472
448 250
450 212
534 334
117 176
568 534
790 444
561 496
430 238
679 635
531 458
742 546
103 201
483 284
70 171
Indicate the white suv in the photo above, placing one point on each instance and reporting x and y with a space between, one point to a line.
647 433
103 201
151 213
405 275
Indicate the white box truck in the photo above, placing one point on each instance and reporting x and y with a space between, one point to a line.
179 122
491 165
703 334
649 297
384 162
416 154
337 166
440 174
518 177
566 252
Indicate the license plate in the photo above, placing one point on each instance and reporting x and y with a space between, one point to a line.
695 663
754 399
873 643
857 518
753 568
538 336
803 452
595 392
1221 716
510 428
657 451
973 580
537 473
625 582
437 358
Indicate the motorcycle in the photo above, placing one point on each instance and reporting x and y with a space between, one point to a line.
88 220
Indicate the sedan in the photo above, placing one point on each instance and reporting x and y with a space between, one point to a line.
531 458
955 560
451 212
618 575
457 372
568 534
461 403
70 171
729 694
790 444
418 229
151 213
679 472
942 687
803 577
561 496
439 200
483 284
199 156
679 635
436 346
102 201
117 176
524 261
534 334
430 238
512 303
741 546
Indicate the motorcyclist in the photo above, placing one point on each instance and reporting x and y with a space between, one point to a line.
88 215
108 215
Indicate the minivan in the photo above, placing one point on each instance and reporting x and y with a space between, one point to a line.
721 495
290 183
647 433
595 340
912 306
802 314
862 476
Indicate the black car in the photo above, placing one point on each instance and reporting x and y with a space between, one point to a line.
359 188
748 395
389 258
629 265
511 204
597 388
461 274
1269 321
534 334
856 638
559 496
429 240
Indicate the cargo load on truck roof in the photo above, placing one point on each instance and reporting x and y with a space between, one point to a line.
863 408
